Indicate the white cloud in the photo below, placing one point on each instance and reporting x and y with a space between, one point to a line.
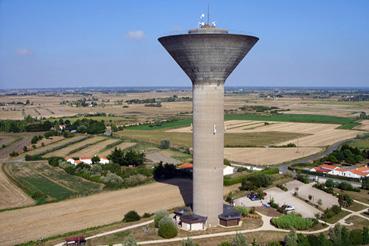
136 35
23 52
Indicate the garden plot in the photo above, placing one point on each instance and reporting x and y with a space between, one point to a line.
70 148
52 182
268 156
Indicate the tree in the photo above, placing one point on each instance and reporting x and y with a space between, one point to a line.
345 200
239 240
95 159
365 183
329 183
25 149
167 228
335 234
365 235
165 144
131 216
356 237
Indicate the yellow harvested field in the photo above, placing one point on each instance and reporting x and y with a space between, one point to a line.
268 156
124 145
364 125
32 223
65 151
94 149
319 134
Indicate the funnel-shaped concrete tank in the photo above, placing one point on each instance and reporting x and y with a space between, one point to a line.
208 56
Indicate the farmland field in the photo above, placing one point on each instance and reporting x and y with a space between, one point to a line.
70 148
57 145
230 139
49 183
95 148
268 156
123 145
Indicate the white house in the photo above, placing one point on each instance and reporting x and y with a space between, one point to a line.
103 160
86 160
228 170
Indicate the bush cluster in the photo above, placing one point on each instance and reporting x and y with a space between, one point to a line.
127 158
131 216
293 221
330 212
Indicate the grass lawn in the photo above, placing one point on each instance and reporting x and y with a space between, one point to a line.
360 143
253 139
337 217
362 196
358 222
356 207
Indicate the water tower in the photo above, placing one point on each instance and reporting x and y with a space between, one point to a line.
208 55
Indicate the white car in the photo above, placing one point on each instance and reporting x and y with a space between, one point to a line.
289 208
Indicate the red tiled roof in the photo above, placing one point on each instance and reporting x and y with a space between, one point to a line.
185 166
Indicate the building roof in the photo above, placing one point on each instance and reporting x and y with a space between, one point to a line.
229 213
193 218
185 166
361 171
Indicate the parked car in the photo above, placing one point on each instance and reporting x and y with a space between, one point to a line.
75 241
253 196
288 208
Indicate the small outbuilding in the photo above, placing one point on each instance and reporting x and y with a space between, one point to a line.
230 216
193 222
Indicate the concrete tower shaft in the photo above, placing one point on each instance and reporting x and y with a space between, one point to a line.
208 56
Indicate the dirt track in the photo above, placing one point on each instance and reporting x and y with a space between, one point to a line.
32 223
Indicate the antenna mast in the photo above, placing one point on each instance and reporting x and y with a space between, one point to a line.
208 14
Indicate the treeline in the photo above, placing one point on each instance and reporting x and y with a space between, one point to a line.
25 125
347 154
149 101
30 124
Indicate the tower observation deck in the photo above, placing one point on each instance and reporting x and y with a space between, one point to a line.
208 55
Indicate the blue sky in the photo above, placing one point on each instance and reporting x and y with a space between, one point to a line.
72 43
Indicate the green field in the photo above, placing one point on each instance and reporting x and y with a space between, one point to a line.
252 139
346 123
45 183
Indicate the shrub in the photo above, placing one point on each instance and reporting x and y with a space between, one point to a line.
282 187
131 216
189 242
167 228
292 221
54 161
330 212
239 240
226 162
33 157
129 241
158 216
164 144
303 178
242 210
225 243
13 154
255 181
347 186
146 215
112 180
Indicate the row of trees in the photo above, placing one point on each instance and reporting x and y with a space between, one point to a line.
347 154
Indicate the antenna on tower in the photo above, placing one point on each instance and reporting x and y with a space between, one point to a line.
208 14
